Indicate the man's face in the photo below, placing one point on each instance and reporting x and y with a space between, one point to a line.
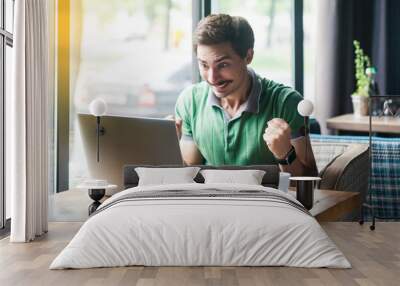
223 69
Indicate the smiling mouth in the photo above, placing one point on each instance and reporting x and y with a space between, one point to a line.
222 84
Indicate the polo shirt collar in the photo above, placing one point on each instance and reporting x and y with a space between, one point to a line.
252 102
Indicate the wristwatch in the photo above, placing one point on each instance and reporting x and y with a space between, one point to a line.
289 158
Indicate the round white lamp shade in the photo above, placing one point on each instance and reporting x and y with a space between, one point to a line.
305 107
98 107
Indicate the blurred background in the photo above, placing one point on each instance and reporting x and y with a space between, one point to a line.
137 55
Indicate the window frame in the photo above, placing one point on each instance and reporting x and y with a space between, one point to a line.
298 46
62 93
6 39
200 9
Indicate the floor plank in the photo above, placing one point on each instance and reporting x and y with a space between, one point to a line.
375 257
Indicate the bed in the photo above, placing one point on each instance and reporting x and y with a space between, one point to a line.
201 224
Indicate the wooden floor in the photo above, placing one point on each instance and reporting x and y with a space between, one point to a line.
375 256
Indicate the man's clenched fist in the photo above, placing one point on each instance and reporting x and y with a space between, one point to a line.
277 137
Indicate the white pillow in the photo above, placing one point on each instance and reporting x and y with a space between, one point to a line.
248 177
163 176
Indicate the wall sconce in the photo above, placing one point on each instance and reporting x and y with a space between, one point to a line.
98 108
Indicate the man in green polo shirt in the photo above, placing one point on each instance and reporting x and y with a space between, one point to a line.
235 117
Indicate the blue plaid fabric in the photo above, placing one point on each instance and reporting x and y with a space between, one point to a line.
385 178
384 185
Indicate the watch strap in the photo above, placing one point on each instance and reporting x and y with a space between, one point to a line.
289 158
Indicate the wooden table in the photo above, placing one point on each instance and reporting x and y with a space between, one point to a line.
332 205
349 122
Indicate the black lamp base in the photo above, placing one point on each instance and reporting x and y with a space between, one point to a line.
305 193
96 195
93 207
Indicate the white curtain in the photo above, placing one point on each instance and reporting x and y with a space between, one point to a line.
27 121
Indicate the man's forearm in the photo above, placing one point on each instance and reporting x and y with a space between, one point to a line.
304 164
190 153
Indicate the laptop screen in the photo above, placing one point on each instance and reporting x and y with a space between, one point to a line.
127 140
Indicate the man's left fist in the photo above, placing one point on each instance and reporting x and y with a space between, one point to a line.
277 137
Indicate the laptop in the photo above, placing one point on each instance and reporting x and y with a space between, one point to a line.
128 140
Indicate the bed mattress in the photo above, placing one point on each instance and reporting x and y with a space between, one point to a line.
201 225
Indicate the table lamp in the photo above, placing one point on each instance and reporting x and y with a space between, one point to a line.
98 107
305 108
305 185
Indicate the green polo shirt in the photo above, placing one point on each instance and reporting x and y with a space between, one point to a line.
223 140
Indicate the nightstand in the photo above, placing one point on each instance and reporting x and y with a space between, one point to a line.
330 205
96 193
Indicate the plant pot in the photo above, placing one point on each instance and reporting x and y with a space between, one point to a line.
360 105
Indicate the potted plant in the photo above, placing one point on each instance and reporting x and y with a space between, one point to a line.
360 96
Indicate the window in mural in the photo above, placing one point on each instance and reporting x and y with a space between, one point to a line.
136 55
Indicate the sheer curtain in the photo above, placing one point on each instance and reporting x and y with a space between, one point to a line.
27 120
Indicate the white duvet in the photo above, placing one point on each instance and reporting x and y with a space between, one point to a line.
200 231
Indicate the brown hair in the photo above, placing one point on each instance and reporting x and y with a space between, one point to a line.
222 28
